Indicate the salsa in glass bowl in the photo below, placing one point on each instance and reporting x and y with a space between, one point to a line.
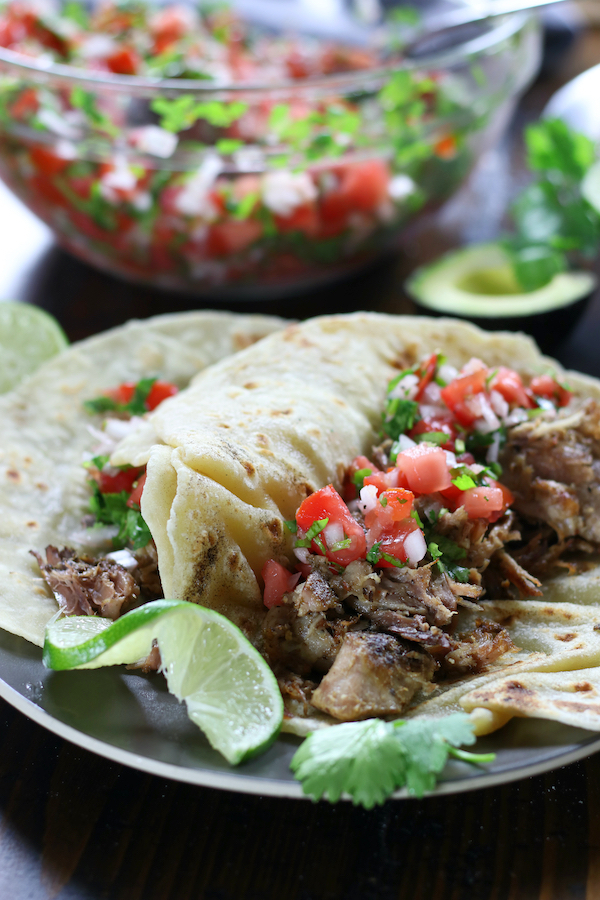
193 152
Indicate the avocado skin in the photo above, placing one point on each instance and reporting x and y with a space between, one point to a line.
549 329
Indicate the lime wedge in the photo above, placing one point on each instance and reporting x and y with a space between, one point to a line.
28 337
230 691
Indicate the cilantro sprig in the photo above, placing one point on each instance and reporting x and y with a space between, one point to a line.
112 509
370 760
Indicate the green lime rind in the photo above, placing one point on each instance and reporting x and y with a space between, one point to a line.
230 691
28 337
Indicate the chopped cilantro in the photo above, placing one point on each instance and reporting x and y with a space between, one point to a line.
135 407
383 501
415 515
432 437
291 525
392 560
400 416
112 509
369 760
374 554
341 545
359 478
313 535
463 481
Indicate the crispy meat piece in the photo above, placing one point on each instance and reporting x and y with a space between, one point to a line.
85 586
146 574
506 578
476 650
552 466
373 675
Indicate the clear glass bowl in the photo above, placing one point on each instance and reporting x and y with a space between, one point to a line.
270 189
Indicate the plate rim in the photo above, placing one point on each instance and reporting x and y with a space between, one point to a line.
238 782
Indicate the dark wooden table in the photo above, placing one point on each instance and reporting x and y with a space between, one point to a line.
75 826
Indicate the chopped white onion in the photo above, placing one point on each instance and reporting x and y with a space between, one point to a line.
499 404
301 553
517 416
451 459
120 428
405 389
283 192
415 547
368 498
123 558
447 373
401 187
432 393
474 365
405 443
333 533
494 449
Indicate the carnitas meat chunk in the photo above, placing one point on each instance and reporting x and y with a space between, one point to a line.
373 675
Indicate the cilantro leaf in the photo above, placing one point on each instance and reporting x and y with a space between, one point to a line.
359 478
400 416
112 509
369 760
135 407
463 482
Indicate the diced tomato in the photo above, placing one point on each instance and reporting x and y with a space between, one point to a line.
362 187
441 422
47 162
123 393
233 236
297 65
392 506
120 480
328 504
159 391
357 464
393 541
124 61
462 389
44 187
26 103
425 468
278 581
446 147
483 502
304 218
136 494
547 387
509 383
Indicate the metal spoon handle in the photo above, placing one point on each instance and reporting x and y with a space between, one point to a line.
488 10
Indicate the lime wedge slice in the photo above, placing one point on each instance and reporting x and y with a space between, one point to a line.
28 337
230 691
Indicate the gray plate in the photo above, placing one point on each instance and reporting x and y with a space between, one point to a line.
132 719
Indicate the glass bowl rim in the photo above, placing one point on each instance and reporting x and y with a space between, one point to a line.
506 26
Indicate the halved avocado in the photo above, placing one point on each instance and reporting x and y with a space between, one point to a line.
477 283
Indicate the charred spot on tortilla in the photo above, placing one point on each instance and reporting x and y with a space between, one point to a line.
250 470
204 565
251 385
565 637
234 561
275 529
583 686
41 486
571 706
281 412
32 524
515 687
13 475
263 441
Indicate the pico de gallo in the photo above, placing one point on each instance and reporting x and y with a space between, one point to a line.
444 431
117 492
193 190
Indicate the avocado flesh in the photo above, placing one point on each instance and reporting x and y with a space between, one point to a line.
479 282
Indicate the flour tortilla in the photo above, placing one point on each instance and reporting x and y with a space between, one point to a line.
44 436
233 457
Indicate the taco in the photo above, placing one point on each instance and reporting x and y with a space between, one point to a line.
319 490
46 435
335 490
